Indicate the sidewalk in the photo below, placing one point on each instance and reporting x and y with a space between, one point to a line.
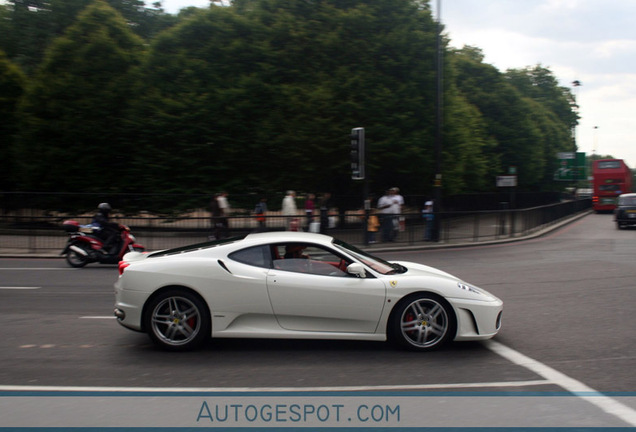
11 247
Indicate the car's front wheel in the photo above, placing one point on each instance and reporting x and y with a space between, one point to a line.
177 320
423 322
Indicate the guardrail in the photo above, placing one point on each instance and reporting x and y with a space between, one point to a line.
43 233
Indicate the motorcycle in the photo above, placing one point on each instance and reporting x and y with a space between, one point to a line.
84 245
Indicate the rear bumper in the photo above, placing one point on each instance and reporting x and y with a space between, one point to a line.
126 311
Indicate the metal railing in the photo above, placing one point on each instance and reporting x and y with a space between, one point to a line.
41 233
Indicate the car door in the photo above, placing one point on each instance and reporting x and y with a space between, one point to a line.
316 294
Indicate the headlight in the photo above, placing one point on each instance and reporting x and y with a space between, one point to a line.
466 287
474 290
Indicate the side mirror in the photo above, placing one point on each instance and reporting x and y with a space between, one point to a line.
357 270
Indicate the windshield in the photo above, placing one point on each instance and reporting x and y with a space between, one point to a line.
609 164
611 187
378 264
627 201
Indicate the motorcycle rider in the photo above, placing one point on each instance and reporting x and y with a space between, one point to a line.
109 231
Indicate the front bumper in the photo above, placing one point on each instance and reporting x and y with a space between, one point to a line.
477 320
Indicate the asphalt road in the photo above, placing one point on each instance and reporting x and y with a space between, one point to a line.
568 326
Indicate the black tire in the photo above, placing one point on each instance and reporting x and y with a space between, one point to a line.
76 259
177 320
422 322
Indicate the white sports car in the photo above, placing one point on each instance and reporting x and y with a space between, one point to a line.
296 285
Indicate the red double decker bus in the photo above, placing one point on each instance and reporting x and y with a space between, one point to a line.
612 177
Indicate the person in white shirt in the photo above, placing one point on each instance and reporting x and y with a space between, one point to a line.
289 209
389 207
223 204
221 214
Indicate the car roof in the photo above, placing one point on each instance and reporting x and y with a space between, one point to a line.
252 239
287 236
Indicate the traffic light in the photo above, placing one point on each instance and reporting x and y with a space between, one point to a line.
357 153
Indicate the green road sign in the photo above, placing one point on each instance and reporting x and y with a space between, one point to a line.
571 167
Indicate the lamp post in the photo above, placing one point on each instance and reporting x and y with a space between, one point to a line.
575 84
595 148
437 182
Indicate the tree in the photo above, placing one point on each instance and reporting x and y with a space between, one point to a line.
262 94
540 84
284 82
510 118
12 83
553 110
73 112
28 27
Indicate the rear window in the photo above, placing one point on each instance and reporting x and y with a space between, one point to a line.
197 246
258 256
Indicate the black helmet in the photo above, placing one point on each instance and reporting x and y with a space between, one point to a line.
104 207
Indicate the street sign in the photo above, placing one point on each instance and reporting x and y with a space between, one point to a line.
566 155
507 181
572 167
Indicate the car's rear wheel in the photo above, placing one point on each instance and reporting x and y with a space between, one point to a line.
423 322
177 320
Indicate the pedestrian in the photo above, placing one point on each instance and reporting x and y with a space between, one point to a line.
290 211
260 210
225 214
215 215
325 205
429 216
389 208
310 208
219 209
373 225
400 221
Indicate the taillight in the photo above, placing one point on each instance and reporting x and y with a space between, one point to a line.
122 266
595 198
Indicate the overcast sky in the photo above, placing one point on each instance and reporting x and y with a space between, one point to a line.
591 41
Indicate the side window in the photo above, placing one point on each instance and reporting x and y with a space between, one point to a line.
258 256
309 259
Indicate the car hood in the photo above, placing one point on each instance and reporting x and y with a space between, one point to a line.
454 286
415 269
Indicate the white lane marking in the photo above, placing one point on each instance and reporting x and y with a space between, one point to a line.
273 389
37 268
550 375
18 288
606 403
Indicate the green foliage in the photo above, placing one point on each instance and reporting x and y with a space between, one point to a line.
27 27
260 96
12 83
266 81
528 116
73 110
